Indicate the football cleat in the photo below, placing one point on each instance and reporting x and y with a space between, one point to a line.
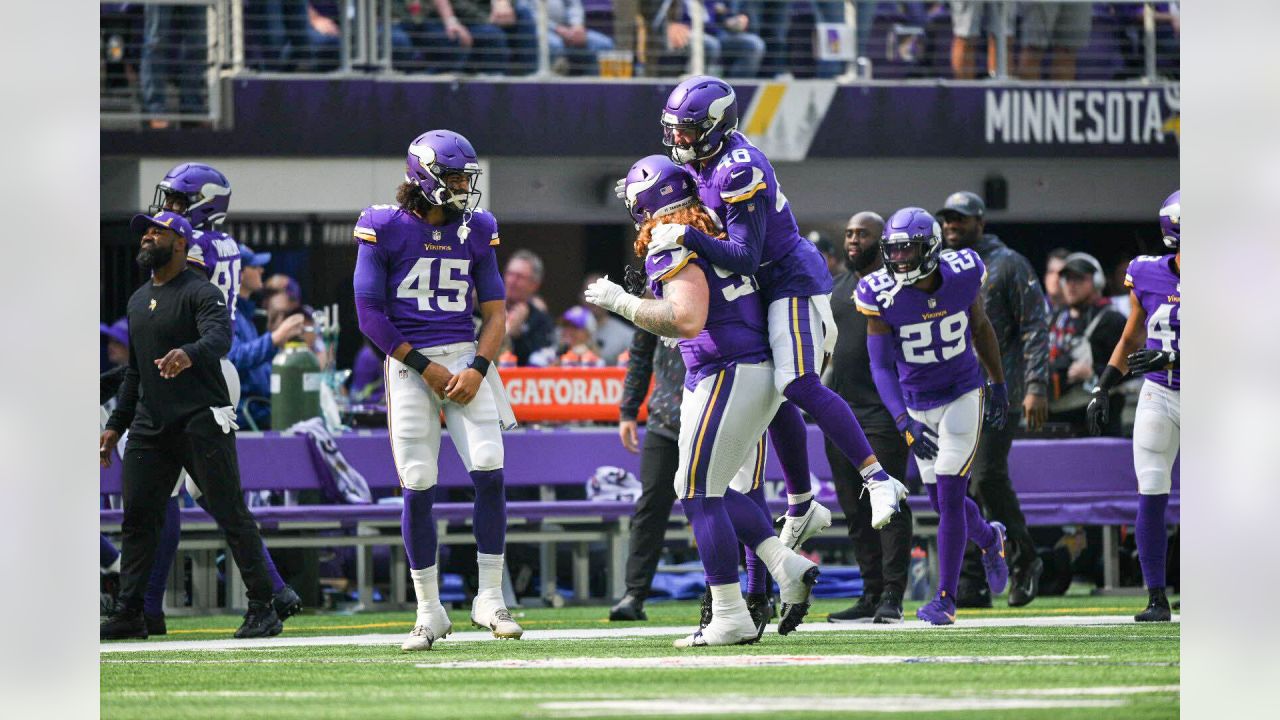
885 495
260 621
705 614
155 624
799 528
286 603
861 612
890 610
725 629
123 625
434 627
760 607
795 599
994 563
939 611
1026 583
629 608
495 617
1157 608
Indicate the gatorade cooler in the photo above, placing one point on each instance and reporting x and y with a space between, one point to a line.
295 385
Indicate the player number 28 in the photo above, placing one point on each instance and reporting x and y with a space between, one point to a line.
917 339
418 284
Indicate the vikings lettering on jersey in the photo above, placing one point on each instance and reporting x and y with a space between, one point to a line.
736 330
426 273
1159 290
217 255
936 360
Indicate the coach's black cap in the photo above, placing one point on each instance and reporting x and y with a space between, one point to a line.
962 203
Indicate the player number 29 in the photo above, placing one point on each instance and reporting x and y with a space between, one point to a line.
418 284
917 339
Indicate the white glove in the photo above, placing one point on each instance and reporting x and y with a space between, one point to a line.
620 189
226 418
665 236
610 296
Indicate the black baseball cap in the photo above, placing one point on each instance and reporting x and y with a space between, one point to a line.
962 203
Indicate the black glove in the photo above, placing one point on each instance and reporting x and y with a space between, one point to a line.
1099 410
922 441
1147 360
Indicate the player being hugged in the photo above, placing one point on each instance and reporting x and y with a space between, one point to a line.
418 263
737 185
925 322
729 398
1155 300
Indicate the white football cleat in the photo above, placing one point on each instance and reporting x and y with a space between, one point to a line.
796 530
885 496
725 629
496 617
424 634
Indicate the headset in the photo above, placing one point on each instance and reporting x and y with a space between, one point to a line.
1099 277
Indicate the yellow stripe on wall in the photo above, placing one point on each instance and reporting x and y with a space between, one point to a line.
770 100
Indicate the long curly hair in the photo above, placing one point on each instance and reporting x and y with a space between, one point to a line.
695 216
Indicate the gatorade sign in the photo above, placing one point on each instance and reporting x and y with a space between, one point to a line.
566 394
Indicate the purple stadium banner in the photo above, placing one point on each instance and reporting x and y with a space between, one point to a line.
792 121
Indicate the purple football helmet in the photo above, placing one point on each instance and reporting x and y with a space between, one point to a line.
705 106
205 192
911 242
436 153
655 186
1171 220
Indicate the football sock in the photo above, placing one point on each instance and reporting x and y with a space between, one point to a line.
750 524
832 414
790 440
952 532
757 573
714 533
108 555
153 600
490 583
418 528
426 587
979 531
1153 539
727 600
489 515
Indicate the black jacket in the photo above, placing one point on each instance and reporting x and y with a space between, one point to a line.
652 357
1016 305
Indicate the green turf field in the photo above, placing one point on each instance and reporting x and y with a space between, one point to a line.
1013 670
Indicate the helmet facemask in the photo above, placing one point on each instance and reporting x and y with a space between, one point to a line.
910 259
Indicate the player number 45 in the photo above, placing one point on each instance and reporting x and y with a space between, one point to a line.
448 292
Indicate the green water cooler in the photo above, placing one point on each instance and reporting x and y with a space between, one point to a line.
295 385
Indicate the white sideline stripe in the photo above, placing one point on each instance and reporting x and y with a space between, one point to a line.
759 705
604 633
722 661
1106 690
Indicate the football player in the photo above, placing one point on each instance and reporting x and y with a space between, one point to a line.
925 322
729 397
737 185
1155 300
418 263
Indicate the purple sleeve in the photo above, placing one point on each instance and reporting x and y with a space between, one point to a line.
485 275
371 299
884 371
740 253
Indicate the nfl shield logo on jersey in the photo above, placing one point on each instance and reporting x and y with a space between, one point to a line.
933 303
436 235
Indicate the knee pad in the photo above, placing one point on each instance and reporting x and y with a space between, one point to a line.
418 476
486 456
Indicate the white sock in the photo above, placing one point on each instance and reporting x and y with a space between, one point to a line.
797 499
490 567
869 472
427 587
727 600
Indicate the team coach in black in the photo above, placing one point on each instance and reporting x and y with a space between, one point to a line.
175 404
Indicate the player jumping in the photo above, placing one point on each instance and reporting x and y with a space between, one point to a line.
417 266
1155 299
737 185
729 398
925 321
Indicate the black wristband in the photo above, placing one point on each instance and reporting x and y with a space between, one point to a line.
417 361
1109 378
480 364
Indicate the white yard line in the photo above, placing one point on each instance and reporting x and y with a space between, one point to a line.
638 630
760 705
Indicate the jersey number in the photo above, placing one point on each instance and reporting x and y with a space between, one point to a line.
917 339
1160 327
226 277
418 284
959 262
741 155
733 292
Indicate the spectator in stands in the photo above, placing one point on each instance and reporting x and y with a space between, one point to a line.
529 327
285 304
252 353
970 22
741 51
833 12
725 38
277 34
1082 334
613 334
366 375
771 19
1120 301
517 20
1052 277
117 337
454 35
574 49
174 49
577 339
1061 27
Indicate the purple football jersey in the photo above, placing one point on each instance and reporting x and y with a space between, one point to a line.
217 255
790 266
936 360
1159 288
425 273
736 330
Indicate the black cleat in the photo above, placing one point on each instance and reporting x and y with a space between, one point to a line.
861 612
260 621
109 586
760 605
971 597
155 624
123 625
286 603
629 609
793 613
890 610
705 615
1157 608
1025 583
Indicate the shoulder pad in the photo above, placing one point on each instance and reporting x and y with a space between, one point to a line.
864 296
370 221
487 225
663 265
963 263
739 182
1136 268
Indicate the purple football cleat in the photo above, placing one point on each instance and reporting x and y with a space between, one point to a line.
993 561
939 611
